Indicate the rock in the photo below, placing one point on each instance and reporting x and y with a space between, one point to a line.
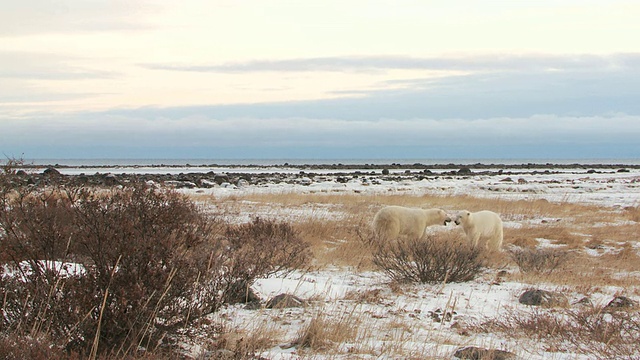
584 302
180 184
204 183
50 171
621 303
537 297
507 179
476 353
221 178
285 301
305 181
243 183
464 171
110 180
385 171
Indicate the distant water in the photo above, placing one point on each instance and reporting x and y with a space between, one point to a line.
268 162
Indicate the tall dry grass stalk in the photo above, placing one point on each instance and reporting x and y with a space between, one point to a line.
325 334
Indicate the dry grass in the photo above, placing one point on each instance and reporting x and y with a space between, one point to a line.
325 334
338 228
588 331
338 225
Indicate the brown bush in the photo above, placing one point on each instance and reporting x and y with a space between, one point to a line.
434 259
150 263
543 261
589 331
260 248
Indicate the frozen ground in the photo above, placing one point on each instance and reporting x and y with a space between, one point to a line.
394 322
403 319
612 188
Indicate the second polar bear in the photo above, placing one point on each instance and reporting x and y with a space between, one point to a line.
485 226
392 221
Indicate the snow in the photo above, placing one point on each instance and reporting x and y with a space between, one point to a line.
404 317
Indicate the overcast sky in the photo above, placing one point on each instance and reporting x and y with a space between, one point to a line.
207 79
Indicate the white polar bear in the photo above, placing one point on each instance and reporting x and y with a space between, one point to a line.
392 221
483 226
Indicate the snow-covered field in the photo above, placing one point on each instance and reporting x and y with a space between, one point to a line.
401 322
405 321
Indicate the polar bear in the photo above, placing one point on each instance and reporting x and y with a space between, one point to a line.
485 226
392 221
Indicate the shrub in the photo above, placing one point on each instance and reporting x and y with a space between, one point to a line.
139 251
543 261
434 259
588 331
260 248
115 271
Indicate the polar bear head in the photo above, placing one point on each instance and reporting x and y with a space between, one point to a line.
462 217
446 216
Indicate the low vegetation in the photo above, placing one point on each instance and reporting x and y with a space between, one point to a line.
116 272
131 272
435 259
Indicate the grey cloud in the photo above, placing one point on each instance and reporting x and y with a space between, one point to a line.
484 95
488 62
111 130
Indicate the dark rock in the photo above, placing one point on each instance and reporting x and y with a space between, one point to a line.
385 171
476 353
221 178
464 171
537 297
621 303
285 301
110 180
82 179
51 172
507 179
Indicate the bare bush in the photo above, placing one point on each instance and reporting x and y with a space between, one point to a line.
111 272
589 331
541 261
257 249
137 254
434 259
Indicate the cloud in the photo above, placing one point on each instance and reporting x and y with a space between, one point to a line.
471 96
39 66
201 136
28 17
485 62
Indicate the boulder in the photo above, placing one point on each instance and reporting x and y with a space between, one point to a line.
221 178
477 353
537 297
285 301
621 303
50 171
110 180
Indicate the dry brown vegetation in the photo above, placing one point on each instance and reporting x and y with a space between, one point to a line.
337 227
339 235
594 247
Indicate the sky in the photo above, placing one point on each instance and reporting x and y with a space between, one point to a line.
233 79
